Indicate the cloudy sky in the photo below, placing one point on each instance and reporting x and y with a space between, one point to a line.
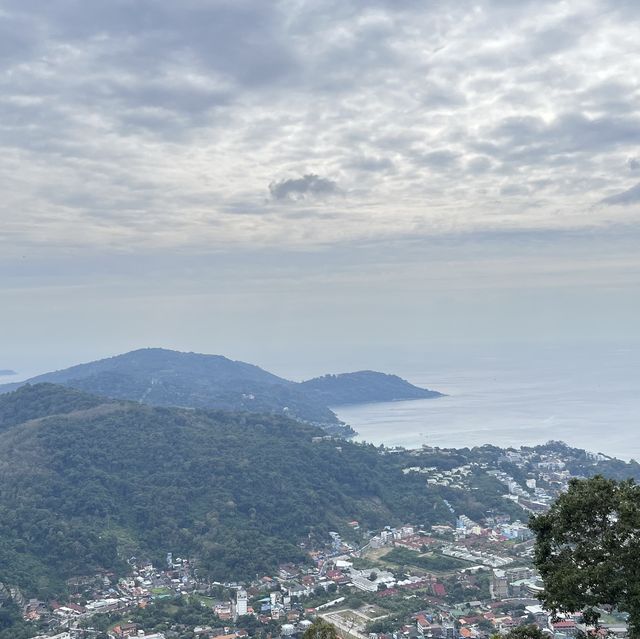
301 182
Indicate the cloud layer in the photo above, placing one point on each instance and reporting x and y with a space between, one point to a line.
151 124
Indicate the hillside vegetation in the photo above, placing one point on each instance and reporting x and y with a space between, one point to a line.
160 377
99 480
363 387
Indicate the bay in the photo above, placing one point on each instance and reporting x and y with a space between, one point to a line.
586 397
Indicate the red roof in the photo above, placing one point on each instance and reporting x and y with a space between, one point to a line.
565 623
439 590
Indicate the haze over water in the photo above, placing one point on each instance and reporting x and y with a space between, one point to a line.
588 398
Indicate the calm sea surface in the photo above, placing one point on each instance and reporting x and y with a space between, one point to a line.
588 398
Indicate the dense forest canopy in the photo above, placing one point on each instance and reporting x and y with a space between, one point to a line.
85 486
364 386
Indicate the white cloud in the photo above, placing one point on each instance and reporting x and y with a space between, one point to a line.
159 124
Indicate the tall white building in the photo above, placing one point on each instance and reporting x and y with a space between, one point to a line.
241 602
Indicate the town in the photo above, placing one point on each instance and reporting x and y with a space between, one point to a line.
469 579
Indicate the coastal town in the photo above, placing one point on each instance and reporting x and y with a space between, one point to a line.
471 579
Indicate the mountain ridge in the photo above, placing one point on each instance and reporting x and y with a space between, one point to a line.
364 387
163 377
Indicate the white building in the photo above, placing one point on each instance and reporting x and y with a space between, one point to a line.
241 602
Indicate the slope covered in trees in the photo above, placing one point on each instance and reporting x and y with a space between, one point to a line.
87 487
42 400
162 377
364 386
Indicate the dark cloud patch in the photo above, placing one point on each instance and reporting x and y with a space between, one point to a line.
630 196
633 164
309 186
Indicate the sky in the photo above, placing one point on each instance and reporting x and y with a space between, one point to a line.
316 185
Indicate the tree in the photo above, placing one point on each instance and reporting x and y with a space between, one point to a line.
321 629
587 549
526 632
486 625
373 576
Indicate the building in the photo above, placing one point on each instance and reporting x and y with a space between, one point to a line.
241 603
499 584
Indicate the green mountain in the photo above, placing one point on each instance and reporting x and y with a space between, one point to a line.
42 400
161 377
86 482
363 387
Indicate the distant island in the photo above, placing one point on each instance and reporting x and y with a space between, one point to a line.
161 377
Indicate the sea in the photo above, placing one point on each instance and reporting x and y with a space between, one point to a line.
588 397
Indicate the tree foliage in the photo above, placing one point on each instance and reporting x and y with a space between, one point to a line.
83 488
526 632
321 629
587 549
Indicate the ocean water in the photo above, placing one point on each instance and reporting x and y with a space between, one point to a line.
586 397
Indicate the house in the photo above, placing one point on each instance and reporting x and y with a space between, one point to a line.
126 630
566 627
422 624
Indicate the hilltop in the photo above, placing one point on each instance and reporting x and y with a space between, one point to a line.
364 387
161 377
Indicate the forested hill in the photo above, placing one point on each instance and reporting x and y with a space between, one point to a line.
98 481
42 400
161 377
363 387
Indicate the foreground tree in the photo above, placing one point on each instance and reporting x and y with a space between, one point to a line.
588 549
